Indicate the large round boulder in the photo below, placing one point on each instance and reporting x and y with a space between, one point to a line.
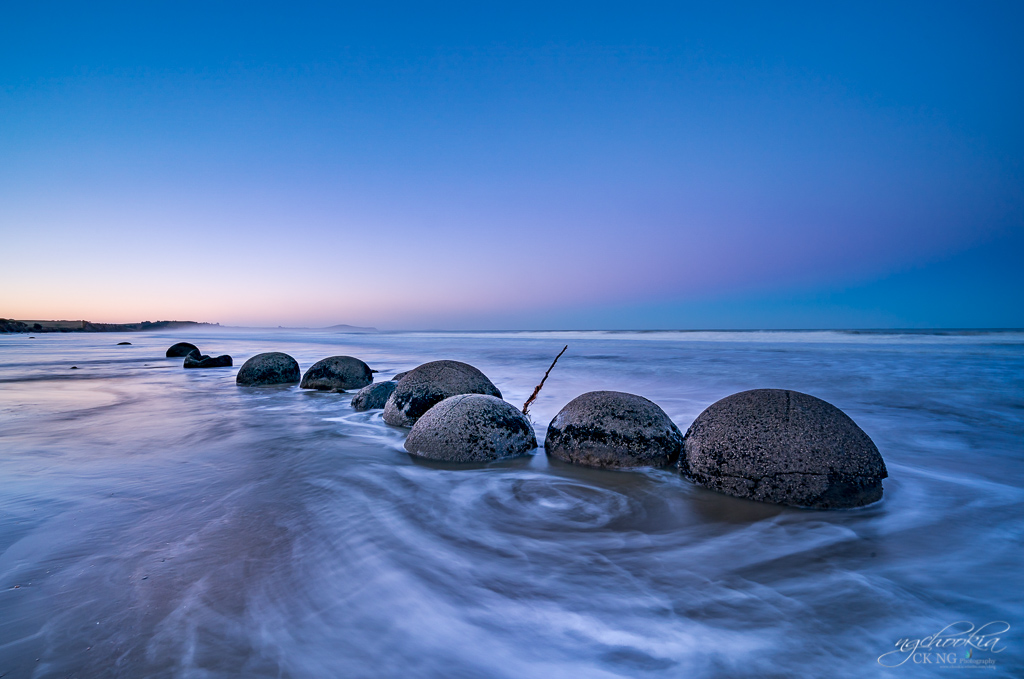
471 428
373 397
270 368
182 349
204 361
337 373
612 429
431 383
784 447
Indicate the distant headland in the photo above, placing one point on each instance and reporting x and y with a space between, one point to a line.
10 325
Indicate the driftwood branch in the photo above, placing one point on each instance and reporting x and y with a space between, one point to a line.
536 390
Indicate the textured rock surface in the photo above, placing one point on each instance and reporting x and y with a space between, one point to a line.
431 383
614 430
181 349
338 373
265 369
204 361
399 376
373 397
471 428
785 447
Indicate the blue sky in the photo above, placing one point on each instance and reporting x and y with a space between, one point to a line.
519 166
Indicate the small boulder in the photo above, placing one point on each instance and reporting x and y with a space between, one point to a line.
337 373
122 344
374 396
471 428
784 447
612 429
399 376
182 349
431 383
204 361
266 369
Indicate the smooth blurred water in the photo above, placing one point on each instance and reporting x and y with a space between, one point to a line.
163 522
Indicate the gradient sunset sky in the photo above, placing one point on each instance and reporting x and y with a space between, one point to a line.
522 166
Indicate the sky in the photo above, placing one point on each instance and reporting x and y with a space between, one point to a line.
514 166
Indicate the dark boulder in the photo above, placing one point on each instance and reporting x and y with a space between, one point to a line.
784 447
204 361
399 376
121 344
182 349
266 369
431 383
612 429
337 373
471 428
373 397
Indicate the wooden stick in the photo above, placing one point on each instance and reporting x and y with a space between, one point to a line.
536 390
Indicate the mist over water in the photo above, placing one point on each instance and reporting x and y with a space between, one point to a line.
163 522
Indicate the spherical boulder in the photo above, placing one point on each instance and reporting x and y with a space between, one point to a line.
784 447
471 428
431 383
266 369
204 361
182 349
612 429
373 397
337 373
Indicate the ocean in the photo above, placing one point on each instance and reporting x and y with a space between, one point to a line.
161 522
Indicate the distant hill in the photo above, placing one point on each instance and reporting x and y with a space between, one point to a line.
10 325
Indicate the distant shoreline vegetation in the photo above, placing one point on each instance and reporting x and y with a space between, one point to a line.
12 326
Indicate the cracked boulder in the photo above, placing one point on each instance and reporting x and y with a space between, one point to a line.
337 373
204 361
268 369
471 428
431 383
612 429
784 447
374 396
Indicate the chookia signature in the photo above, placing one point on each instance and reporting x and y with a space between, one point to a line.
943 646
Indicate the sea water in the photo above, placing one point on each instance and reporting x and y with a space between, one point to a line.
161 522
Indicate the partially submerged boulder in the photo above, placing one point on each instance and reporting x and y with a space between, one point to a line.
471 428
784 447
267 369
122 344
431 383
612 429
374 396
182 349
204 361
337 373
